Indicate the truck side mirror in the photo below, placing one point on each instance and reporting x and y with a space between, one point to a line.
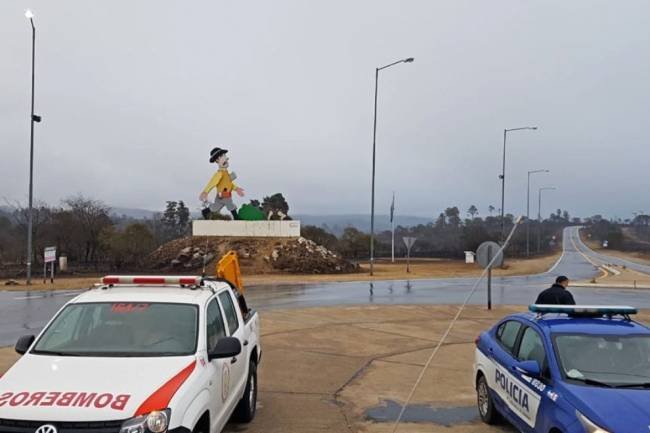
24 343
226 347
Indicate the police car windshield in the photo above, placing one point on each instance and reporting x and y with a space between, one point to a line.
604 360
122 330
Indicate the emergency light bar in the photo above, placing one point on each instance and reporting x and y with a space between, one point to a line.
151 280
595 310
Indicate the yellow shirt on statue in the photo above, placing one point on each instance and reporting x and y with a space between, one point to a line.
221 181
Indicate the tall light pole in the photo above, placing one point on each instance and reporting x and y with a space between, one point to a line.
33 118
374 140
539 214
503 177
528 209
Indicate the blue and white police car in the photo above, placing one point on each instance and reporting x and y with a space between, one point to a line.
566 369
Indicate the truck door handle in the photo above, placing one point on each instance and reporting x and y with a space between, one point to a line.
233 360
246 343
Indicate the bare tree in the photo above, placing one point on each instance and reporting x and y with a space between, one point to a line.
91 217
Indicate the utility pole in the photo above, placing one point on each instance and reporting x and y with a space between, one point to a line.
539 215
528 210
374 141
33 118
502 176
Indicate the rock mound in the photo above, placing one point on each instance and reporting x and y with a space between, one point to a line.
256 256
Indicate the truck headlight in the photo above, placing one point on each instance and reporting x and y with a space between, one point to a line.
589 425
154 422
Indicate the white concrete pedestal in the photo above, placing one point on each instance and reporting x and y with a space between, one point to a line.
257 229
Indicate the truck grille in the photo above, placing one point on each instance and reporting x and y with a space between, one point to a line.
20 426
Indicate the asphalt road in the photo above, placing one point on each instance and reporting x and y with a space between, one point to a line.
27 312
578 262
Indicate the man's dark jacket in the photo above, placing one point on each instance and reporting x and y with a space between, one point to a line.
556 294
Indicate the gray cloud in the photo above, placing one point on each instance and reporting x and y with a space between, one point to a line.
134 95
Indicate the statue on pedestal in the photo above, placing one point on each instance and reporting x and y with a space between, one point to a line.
222 181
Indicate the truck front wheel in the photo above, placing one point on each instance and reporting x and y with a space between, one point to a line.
245 411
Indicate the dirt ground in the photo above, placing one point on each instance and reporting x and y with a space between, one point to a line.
324 368
384 270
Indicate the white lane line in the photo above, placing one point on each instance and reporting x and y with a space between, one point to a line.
580 251
557 262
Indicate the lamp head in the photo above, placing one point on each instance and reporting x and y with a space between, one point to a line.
29 14
534 128
409 60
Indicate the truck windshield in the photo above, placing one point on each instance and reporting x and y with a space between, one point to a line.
605 360
121 330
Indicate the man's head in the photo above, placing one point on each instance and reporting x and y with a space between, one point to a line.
218 155
562 281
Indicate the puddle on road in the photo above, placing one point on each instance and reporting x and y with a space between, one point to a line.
446 416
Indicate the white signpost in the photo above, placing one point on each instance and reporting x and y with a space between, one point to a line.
408 241
49 256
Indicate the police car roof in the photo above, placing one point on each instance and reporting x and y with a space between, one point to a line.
134 293
561 323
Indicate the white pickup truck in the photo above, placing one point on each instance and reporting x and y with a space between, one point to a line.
137 355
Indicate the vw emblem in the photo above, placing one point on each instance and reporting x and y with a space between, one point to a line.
46 428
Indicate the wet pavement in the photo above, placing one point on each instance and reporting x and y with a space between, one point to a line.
389 410
27 312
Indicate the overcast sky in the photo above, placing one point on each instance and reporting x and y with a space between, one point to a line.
134 94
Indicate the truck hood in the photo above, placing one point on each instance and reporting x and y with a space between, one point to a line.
64 388
618 410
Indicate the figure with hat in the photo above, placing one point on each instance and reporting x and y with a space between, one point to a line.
222 181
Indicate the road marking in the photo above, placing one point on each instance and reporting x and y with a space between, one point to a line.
581 253
557 262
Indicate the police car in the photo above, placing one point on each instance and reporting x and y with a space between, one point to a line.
137 355
566 369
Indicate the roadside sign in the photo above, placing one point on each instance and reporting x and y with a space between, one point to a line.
482 254
50 254
408 241
485 254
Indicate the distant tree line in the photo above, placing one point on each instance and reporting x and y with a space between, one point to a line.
628 235
449 235
93 238
85 231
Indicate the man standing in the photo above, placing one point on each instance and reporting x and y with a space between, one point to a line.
222 181
557 293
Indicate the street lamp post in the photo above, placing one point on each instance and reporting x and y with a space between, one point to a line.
374 140
503 177
528 210
539 215
33 118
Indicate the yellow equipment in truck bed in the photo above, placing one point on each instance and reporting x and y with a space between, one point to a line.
228 269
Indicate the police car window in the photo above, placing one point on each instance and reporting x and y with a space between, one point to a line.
532 348
229 311
507 334
216 328
616 360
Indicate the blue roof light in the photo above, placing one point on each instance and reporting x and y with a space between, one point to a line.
581 310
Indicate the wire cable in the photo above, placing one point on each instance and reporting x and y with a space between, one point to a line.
451 325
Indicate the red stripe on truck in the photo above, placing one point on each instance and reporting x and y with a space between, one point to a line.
160 399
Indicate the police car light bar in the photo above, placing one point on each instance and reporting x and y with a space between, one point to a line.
151 280
603 310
